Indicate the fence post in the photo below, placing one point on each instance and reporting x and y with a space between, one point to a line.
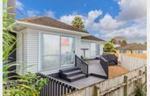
145 75
126 86
140 74
96 91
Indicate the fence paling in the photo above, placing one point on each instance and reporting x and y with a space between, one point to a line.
55 87
116 85
131 63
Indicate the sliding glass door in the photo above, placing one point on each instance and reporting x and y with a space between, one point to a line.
57 52
67 51
51 52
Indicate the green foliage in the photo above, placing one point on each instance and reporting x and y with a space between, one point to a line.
6 67
123 43
109 47
113 41
27 85
9 40
140 89
78 23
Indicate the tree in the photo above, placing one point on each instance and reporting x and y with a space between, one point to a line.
9 40
123 43
113 41
78 23
109 47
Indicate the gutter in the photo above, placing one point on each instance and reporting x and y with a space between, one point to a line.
48 28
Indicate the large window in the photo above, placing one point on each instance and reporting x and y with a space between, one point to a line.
51 52
58 51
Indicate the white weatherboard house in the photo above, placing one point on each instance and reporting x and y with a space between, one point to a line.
45 44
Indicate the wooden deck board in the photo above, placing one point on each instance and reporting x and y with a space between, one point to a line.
85 82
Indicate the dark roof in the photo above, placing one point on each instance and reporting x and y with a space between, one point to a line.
90 37
134 46
47 21
119 38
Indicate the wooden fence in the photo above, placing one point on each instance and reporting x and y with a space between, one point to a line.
131 62
119 86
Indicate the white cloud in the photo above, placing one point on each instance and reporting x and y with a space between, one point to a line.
108 27
32 13
108 23
19 5
132 9
92 15
135 33
88 19
69 18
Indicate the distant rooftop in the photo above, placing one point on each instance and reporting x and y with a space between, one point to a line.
134 46
47 21
90 37
119 38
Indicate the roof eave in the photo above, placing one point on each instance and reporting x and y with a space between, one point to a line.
48 28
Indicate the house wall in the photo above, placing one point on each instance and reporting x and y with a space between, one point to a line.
86 44
29 49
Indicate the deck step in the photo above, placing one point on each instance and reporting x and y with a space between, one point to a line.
76 77
71 74
69 69
74 72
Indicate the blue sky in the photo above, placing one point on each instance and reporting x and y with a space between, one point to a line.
102 18
61 7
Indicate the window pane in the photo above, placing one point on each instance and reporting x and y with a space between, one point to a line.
97 49
51 44
51 52
67 48
50 62
93 50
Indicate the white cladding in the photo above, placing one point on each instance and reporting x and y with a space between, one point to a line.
29 49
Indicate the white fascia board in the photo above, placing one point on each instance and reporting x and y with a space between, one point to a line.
48 28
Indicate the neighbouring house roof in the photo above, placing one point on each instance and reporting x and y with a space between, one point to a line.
47 21
119 38
115 71
133 46
90 37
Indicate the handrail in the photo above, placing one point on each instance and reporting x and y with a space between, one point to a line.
55 87
80 63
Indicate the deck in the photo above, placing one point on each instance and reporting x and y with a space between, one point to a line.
94 67
85 82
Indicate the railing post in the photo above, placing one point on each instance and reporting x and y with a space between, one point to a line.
145 75
140 74
95 91
126 86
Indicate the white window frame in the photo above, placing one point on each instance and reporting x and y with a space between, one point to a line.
41 51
